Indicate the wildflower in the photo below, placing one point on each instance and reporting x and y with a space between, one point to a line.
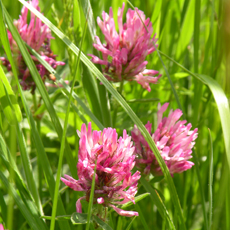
114 160
173 139
1 227
125 52
37 35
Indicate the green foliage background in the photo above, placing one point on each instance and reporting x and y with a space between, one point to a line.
194 48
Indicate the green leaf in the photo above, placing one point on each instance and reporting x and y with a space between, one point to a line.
79 218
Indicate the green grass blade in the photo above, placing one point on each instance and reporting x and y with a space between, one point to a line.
34 221
130 224
158 202
210 183
90 206
141 216
125 106
28 168
201 190
88 12
221 102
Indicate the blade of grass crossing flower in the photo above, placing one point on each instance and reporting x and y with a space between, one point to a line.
63 143
90 206
210 182
158 202
36 138
221 102
125 106
43 92
67 90
144 224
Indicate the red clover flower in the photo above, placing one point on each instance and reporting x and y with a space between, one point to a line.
125 52
173 139
114 183
37 35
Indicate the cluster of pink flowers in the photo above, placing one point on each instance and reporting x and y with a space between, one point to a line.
173 139
37 35
114 159
125 52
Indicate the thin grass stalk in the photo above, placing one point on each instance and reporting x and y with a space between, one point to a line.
90 206
63 140
201 190
10 209
143 221
210 182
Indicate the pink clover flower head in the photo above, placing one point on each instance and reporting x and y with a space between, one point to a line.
124 54
173 139
37 35
114 183
1 227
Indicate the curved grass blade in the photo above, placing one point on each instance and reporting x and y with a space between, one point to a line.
125 106
221 102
